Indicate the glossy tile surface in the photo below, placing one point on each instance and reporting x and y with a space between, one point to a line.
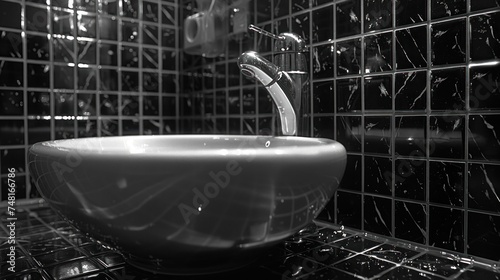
48 248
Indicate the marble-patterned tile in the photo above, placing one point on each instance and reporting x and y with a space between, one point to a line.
12 132
150 34
264 10
410 136
348 95
483 240
410 221
150 11
108 54
37 19
129 56
64 104
38 103
86 26
11 15
440 265
63 50
349 57
448 89
168 14
378 52
129 81
446 228
410 179
378 133
378 14
13 158
480 5
323 61
150 58
64 77
300 5
410 11
87 128
87 52
38 47
448 42
300 25
353 175
11 44
378 92
484 88
38 75
108 104
411 91
378 215
87 78
323 97
130 8
169 106
411 48
403 272
446 183
150 106
324 127
86 104
64 129
447 137
130 127
349 132
348 18
11 73
484 187
170 84
322 24
447 8
12 102
130 31
484 141
485 37
151 127
249 101
349 211
150 82
108 28
281 8
108 7
39 130
129 105
63 23
378 173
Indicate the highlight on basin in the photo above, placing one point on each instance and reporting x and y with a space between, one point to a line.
188 204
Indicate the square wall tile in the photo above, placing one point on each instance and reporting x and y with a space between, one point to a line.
447 137
410 138
322 24
349 57
484 34
411 48
348 18
378 213
484 181
378 133
484 142
448 89
446 8
349 132
446 183
446 228
378 92
348 95
410 11
448 42
410 178
349 209
378 14
483 238
378 52
410 221
410 92
484 88
378 175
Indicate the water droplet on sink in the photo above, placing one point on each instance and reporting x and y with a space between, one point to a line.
268 143
199 208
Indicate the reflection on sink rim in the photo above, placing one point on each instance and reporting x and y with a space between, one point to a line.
212 202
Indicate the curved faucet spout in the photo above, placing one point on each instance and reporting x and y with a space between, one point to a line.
278 83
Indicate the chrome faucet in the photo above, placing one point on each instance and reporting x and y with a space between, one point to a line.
286 80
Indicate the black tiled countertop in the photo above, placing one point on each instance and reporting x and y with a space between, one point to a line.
49 248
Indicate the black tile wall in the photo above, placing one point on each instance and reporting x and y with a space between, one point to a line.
83 69
410 87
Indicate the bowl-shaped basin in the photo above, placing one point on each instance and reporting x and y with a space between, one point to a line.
188 203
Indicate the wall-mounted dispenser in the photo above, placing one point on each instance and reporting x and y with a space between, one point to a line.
205 32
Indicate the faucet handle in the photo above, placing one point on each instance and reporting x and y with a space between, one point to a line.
265 32
286 42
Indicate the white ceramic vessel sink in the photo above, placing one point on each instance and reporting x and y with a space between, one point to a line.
188 203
